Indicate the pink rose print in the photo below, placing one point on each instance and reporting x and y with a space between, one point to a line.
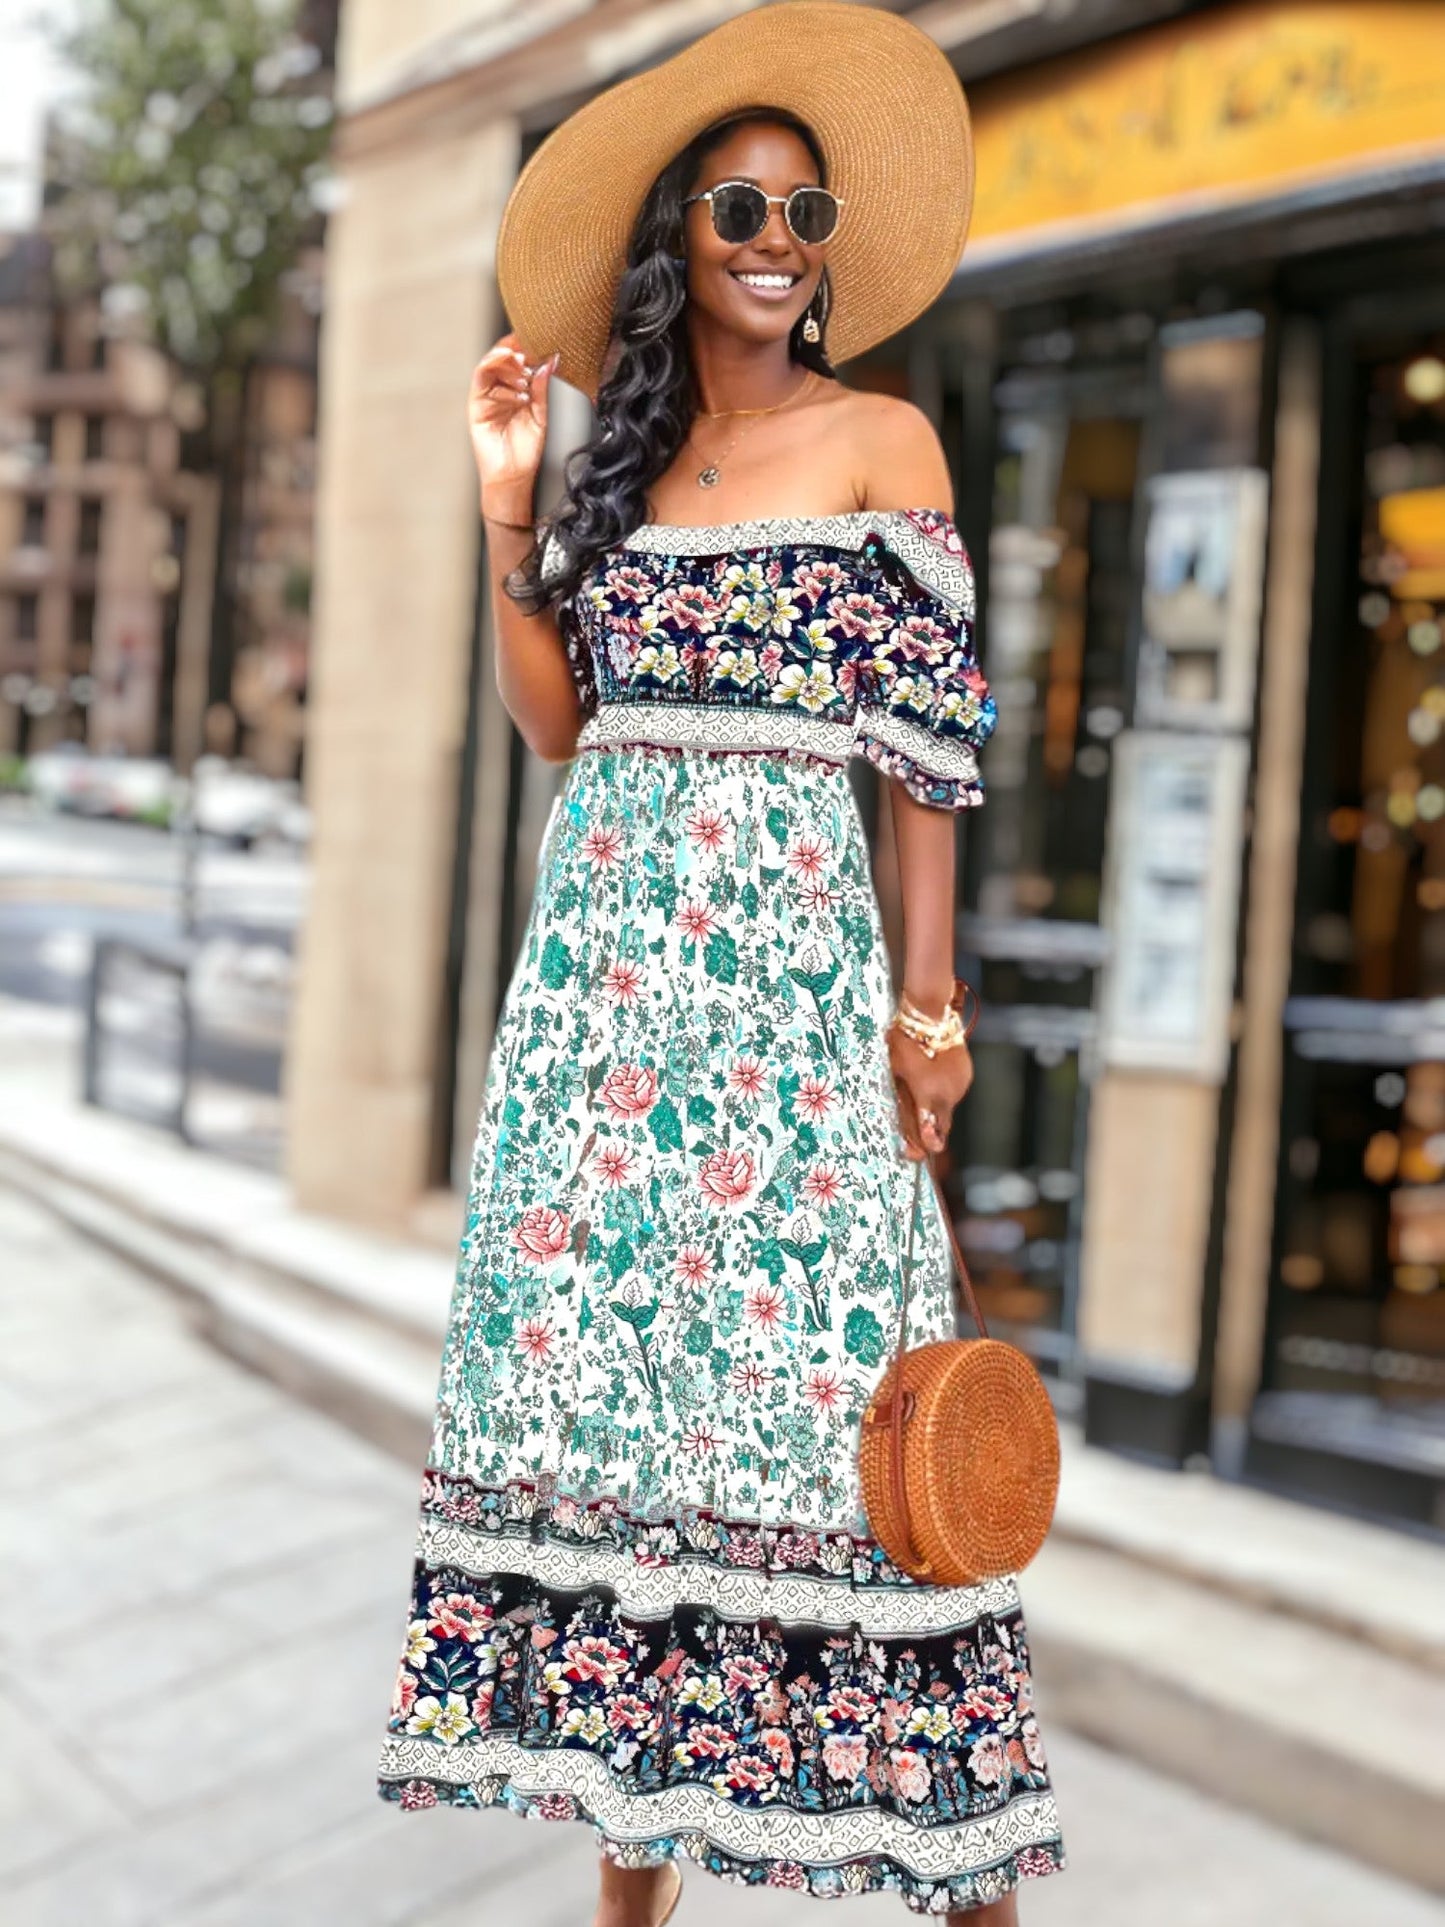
859 615
693 1265
534 1341
987 1760
815 1098
823 1390
770 659
847 675
765 1305
728 1176
1034 1861
542 1232
817 579
797 1548
987 1703
602 845
612 1164
404 1698
910 1774
709 1741
697 920
621 981
691 606
593 1660
851 1703
633 585
745 1549
808 856
750 1770
776 1742
628 1712
845 1755
708 829
461 1615
482 1705
823 1184
417 1794
746 1077
744 1674
786 1873
555 1806
919 637
629 1090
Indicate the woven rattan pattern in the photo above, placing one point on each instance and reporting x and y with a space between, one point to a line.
981 1461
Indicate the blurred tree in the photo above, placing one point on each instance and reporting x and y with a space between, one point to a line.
185 176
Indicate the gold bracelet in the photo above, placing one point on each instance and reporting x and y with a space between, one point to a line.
933 1035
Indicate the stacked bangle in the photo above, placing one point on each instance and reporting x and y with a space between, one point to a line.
934 1035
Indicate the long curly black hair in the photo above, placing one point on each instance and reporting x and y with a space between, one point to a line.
647 403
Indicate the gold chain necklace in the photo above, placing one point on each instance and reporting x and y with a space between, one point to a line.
711 473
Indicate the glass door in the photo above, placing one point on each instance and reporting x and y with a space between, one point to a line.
1055 650
1354 1385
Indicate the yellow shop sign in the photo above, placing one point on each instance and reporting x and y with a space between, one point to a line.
1219 107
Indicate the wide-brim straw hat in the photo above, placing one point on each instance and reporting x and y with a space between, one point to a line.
888 112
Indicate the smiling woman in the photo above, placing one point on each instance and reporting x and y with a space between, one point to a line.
645 1592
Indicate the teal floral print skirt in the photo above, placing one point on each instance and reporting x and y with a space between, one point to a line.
644 1593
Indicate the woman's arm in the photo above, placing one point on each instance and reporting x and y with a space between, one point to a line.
507 412
903 466
928 1087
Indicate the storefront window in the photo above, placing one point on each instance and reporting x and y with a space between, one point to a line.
1358 1337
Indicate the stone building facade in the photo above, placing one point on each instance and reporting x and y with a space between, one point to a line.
1189 377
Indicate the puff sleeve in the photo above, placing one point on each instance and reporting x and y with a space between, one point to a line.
572 624
924 708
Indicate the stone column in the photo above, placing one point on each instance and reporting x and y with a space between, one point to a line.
410 306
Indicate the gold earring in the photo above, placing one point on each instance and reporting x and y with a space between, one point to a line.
811 330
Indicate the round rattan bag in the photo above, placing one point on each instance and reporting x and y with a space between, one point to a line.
960 1475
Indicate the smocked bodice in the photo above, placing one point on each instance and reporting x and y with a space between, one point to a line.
830 636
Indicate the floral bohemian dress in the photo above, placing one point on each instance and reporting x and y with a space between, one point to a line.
644 1593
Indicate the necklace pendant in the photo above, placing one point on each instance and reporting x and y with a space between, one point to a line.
708 477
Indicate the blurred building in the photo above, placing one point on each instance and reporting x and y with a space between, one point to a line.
1191 377
110 526
106 541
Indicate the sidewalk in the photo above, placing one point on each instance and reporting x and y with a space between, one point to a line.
1283 1658
220 1574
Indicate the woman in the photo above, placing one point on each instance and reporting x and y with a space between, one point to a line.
645 1595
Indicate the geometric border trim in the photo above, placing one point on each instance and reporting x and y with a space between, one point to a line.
734 1593
938 568
752 1833
669 724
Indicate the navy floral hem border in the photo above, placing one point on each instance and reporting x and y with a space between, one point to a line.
770 1749
874 1873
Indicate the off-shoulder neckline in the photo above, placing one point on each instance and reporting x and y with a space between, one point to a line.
844 530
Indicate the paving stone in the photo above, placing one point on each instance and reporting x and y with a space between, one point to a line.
209 1759
50 1807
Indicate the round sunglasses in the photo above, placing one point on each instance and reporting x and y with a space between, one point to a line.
740 212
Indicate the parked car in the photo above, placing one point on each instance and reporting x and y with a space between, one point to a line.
68 777
243 807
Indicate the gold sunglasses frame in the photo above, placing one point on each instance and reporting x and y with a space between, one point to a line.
773 200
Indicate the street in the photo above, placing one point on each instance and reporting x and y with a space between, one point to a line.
202 1599
68 882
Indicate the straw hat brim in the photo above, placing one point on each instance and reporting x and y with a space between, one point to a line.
892 121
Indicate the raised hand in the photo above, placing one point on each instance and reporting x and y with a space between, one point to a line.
507 416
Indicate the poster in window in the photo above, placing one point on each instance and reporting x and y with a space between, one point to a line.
1203 577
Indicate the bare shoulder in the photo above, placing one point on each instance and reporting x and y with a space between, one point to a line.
894 454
